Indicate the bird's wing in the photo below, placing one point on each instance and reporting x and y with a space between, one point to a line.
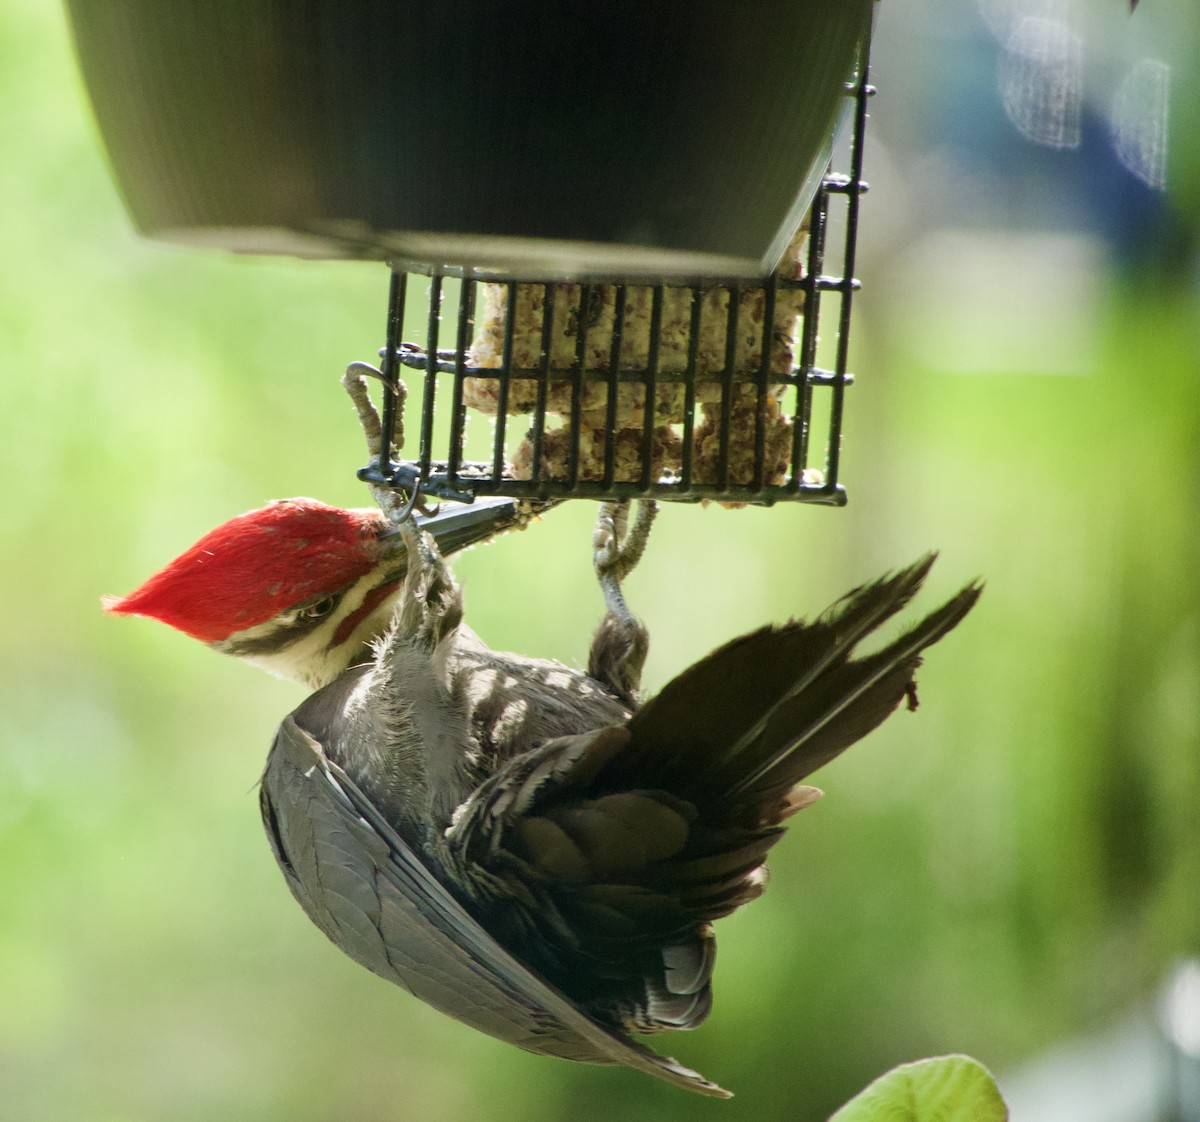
608 892
375 898
515 703
606 855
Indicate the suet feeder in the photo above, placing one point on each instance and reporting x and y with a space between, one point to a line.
616 218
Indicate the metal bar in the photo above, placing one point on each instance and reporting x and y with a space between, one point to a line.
500 437
853 202
543 386
581 330
458 411
414 357
758 480
820 377
614 364
435 312
731 341
838 284
393 330
837 184
650 402
471 485
802 419
689 386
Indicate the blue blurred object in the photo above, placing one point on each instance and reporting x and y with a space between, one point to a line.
1016 118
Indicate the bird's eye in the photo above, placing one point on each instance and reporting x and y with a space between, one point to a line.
319 609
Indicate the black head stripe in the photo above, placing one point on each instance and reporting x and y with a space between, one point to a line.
282 635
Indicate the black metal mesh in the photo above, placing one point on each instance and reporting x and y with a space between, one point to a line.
615 390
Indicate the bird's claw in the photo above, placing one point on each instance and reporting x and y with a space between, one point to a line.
397 505
355 383
619 648
617 548
413 502
605 538
354 380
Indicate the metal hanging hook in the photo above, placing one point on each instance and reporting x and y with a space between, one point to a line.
387 498
410 503
371 372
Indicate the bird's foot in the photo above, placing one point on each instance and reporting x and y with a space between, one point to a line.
617 547
354 382
432 606
621 642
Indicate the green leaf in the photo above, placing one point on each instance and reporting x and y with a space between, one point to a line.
944 1089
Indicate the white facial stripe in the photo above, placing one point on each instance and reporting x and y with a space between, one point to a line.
310 658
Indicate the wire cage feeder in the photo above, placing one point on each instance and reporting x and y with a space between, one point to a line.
584 206
618 390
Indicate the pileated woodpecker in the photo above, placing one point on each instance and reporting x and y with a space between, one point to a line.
527 847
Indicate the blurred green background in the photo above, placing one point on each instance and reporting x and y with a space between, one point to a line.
1017 863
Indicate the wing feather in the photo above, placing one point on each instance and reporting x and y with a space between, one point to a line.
342 858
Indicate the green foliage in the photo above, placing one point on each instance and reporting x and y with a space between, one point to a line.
945 1089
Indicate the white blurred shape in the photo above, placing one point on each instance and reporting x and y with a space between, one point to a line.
1181 1008
1000 16
1139 121
1003 16
1114 1076
1180 1019
1041 81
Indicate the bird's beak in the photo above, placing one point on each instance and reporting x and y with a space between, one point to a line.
456 526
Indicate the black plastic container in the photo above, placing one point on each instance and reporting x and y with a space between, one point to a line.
631 138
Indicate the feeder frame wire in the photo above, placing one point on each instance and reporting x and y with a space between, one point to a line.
391 375
854 193
804 376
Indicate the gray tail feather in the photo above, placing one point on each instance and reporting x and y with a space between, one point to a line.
759 714
808 729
